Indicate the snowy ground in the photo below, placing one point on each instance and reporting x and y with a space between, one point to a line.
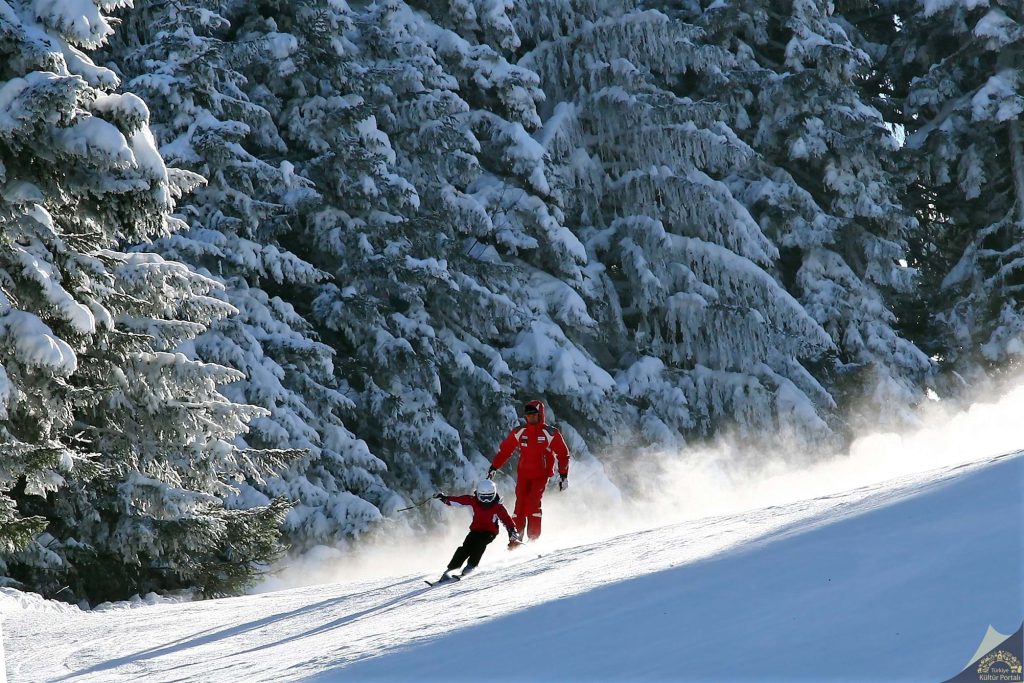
893 580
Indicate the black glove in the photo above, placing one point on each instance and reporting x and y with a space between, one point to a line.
491 471
563 483
441 497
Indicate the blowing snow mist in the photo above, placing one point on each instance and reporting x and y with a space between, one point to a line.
682 486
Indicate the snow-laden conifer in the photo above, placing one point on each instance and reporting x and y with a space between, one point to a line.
122 446
329 84
553 346
825 188
453 287
205 88
959 74
701 335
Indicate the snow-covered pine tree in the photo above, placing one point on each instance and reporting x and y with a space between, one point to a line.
41 106
555 350
702 337
826 189
325 97
123 448
181 56
457 290
165 435
959 72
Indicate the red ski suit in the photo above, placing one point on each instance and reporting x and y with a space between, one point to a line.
539 446
485 515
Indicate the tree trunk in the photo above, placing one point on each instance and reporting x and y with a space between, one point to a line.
1017 155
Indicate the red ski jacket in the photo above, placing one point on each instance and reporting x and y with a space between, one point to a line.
539 446
485 515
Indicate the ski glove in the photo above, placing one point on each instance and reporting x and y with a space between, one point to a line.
563 483
441 497
491 471
514 536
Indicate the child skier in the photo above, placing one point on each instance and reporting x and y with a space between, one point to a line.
487 512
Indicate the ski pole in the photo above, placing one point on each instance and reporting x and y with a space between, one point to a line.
412 507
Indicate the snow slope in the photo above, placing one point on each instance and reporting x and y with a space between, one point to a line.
897 580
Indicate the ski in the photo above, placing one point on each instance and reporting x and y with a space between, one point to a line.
450 579
518 549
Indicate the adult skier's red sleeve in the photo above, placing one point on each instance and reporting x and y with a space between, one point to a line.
561 451
505 451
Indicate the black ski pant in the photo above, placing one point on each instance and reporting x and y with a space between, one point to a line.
472 549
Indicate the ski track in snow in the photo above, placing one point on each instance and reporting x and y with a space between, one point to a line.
322 630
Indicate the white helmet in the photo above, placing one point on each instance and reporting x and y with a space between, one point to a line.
486 491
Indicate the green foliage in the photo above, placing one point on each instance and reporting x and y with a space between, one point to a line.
957 81
121 449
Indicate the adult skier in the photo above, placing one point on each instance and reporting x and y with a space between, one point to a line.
540 446
488 510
